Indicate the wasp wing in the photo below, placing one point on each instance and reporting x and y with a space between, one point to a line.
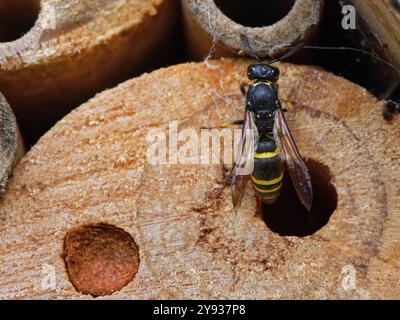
244 162
298 170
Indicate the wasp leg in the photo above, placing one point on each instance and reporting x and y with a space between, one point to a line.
233 123
226 125
288 107
243 90
390 109
227 169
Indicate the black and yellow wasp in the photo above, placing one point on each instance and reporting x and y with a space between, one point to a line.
266 144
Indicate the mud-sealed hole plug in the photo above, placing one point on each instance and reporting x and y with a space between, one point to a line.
100 258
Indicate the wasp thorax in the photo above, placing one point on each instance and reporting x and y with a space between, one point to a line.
263 71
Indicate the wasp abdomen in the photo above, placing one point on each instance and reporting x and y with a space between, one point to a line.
268 172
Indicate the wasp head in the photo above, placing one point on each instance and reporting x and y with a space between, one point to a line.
263 71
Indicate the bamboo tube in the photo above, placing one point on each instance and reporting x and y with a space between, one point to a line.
11 144
76 49
214 27
92 169
379 23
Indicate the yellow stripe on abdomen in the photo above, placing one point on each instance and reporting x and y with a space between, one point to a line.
269 190
267 182
268 174
267 155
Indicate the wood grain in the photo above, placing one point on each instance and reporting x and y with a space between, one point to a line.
91 168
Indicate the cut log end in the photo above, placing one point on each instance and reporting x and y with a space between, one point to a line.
76 49
92 168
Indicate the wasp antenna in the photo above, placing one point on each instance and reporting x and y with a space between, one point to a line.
304 46
372 55
247 44
292 51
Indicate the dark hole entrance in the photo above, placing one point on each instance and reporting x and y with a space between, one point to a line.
17 17
396 95
288 217
255 13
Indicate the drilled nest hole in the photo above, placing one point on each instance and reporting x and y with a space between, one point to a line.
100 259
288 217
17 17
255 13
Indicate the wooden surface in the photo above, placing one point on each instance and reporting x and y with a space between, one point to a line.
91 168
210 31
77 49
12 147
